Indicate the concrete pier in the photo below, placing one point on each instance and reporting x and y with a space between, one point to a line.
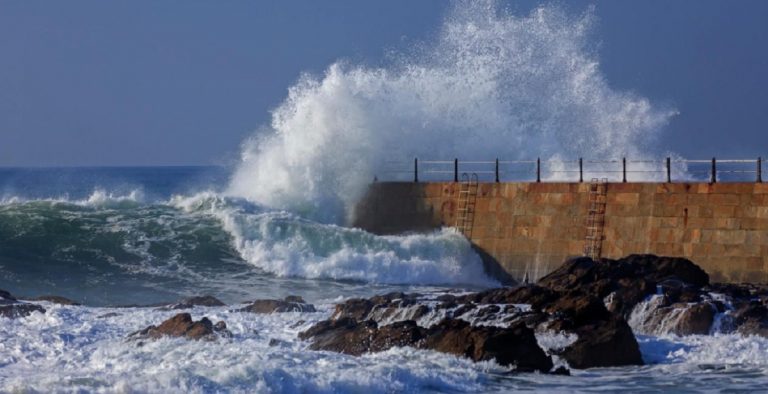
530 228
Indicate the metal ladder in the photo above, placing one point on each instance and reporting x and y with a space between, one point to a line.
465 209
598 190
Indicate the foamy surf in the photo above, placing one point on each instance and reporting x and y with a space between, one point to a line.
287 245
491 84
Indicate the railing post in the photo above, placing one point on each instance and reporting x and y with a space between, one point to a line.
713 173
669 170
759 170
455 170
581 170
624 169
538 170
497 170
416 169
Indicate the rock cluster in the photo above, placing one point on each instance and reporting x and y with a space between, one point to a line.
183 326
512 346
289 304
591 300
12 308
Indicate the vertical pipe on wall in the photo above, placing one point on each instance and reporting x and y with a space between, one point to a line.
669 170
538 170
455 170
416 169
713 173
581 170
624 169
497 170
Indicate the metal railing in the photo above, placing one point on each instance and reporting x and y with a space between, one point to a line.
616 170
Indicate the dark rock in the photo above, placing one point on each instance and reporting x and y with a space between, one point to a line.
752 319
536 296
561 370
695 319
355 308
182 326
191 302
55 300
4 295
220 326
463 309
293 298
108 315
514 346
604 344
349 336
276 306
19 309
581 308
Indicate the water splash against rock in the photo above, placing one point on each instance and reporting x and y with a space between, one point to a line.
491 84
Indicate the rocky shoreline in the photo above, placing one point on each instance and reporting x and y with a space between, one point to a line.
597 306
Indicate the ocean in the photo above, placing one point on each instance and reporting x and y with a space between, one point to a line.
119 239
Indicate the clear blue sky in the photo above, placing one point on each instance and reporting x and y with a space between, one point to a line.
175 83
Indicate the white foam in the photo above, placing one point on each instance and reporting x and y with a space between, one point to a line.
492 84
284 244
72 349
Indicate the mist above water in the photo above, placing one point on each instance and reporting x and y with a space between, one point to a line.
491 84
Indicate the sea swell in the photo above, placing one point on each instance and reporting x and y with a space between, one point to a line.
190 242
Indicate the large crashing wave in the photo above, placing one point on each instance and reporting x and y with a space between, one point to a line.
492 84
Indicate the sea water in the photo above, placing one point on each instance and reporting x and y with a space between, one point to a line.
93 241
489 84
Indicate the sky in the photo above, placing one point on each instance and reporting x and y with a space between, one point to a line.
94 83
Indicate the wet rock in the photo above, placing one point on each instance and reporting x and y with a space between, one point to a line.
346 335
108 315
695 319
6 296
191 302
355 309
752 319
579 307
603 344
182 326
515 346
19 309
12 308
277 306
55 300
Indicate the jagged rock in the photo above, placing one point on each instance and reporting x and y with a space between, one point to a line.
183 326
385 306
12 308
603 344
752 319
346 335
579 307
55 300
278 306
695 319
188 303
629 280
6 297
515 346
19 309
536 296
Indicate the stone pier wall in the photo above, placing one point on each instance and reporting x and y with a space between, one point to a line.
530 228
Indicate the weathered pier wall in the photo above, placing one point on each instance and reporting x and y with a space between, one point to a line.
530 228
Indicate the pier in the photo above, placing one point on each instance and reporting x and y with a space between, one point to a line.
527 228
